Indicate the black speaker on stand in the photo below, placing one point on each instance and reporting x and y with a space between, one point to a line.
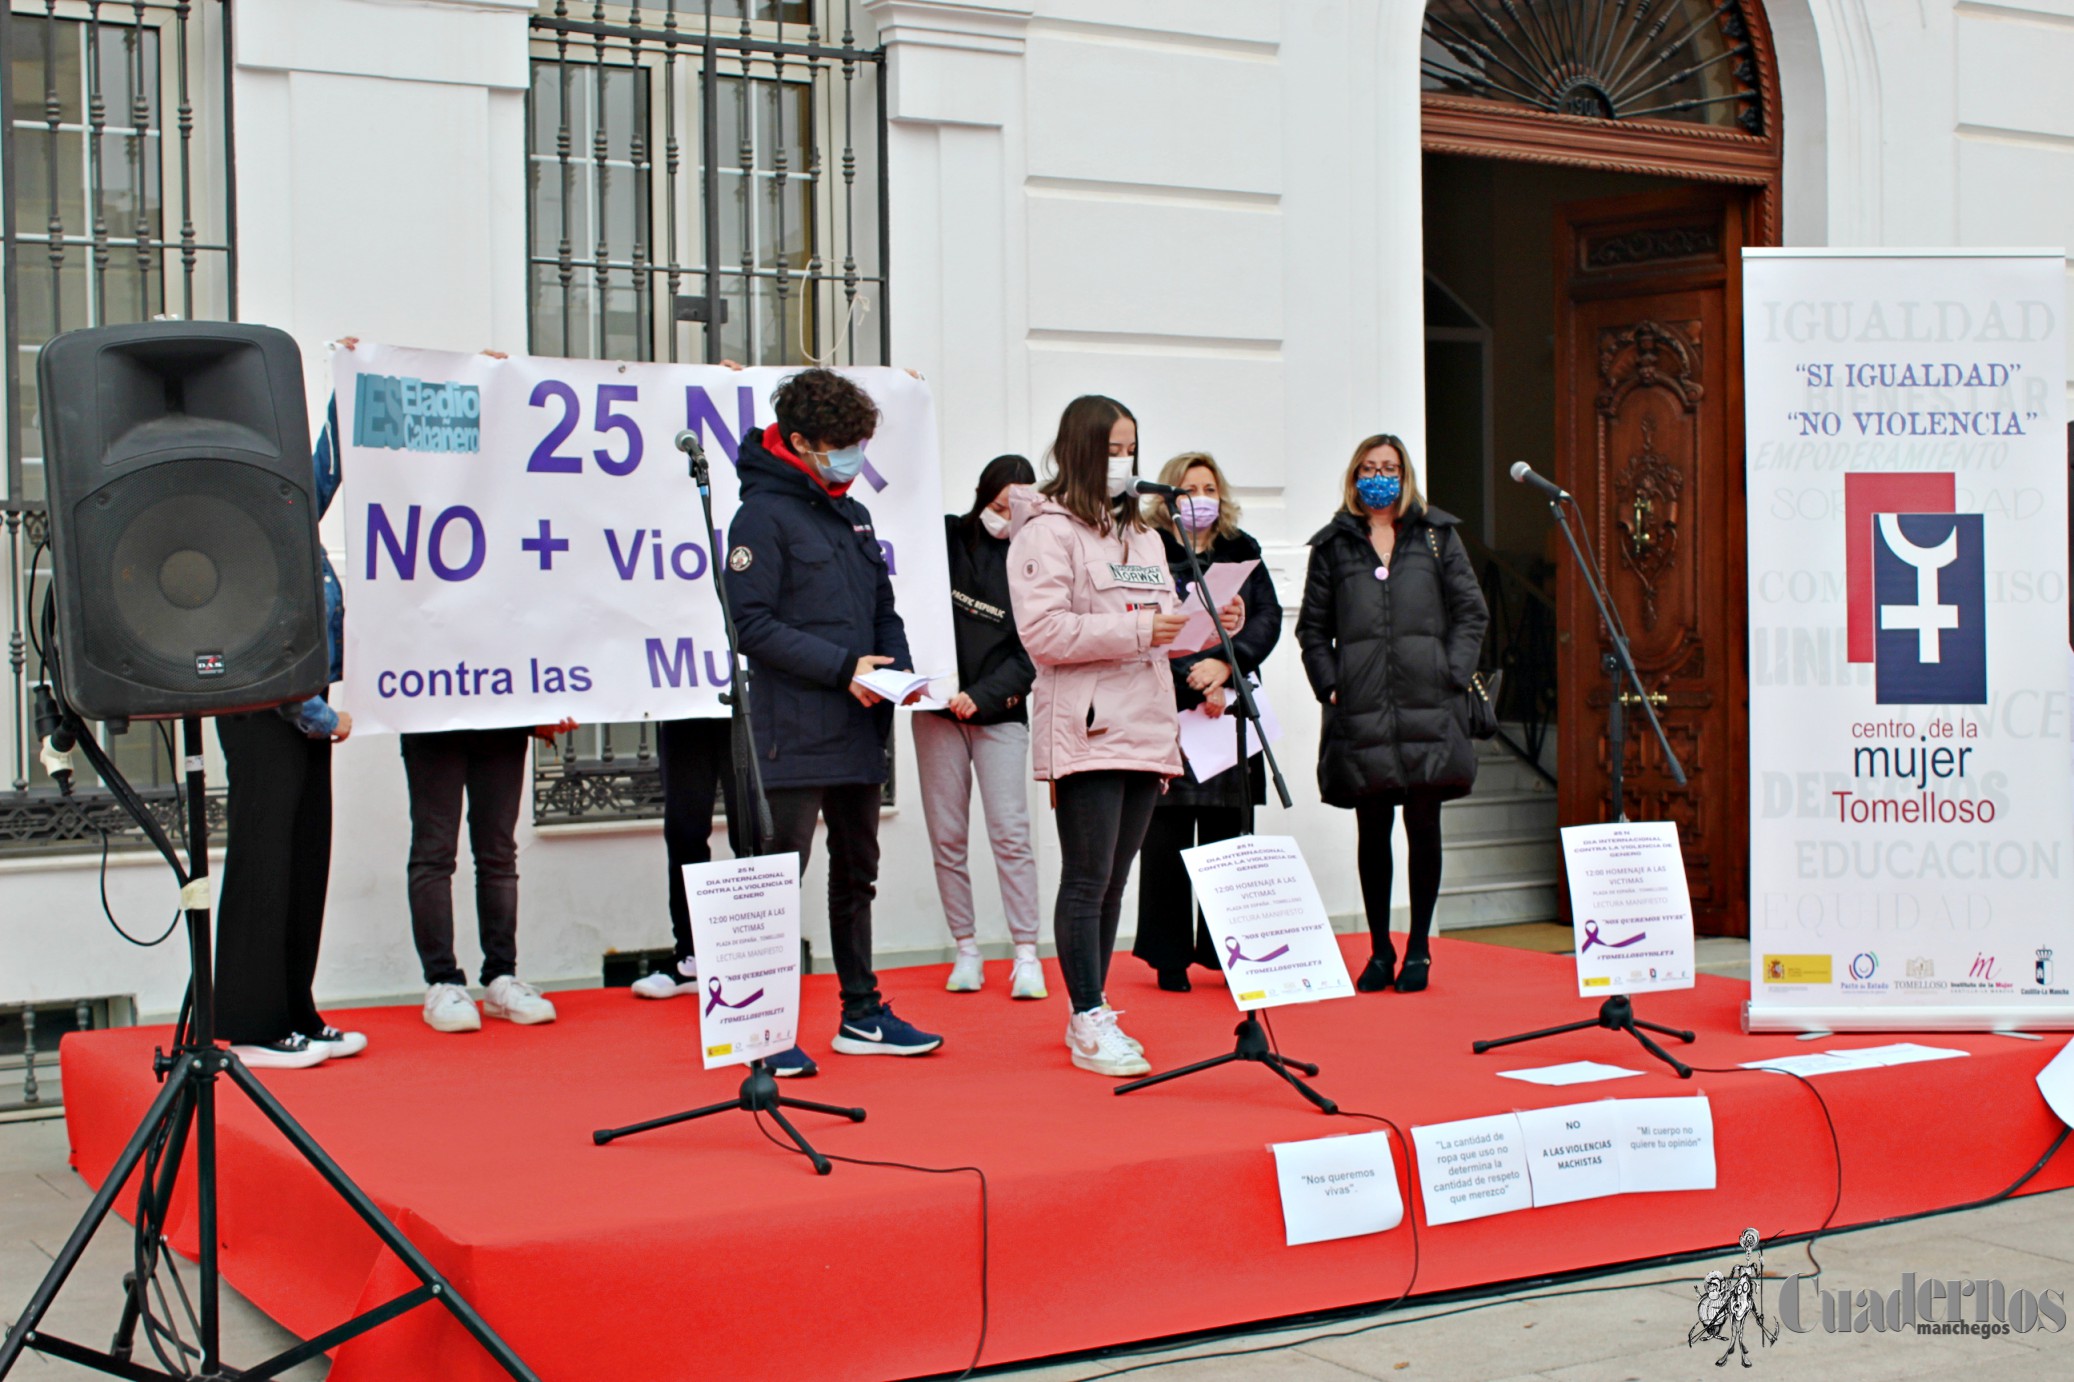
187 581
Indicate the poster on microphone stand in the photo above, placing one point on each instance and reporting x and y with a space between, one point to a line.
745 926
1272 934
1629 906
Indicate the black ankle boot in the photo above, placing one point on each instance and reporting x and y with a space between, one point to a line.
1379 975
1412 978
1174 980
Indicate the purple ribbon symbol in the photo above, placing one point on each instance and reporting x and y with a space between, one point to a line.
1232 955
714 1000
1592 938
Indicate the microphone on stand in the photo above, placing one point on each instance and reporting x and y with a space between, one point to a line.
688 443
1524 474
1140 485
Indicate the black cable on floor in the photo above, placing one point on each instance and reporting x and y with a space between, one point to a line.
985 1224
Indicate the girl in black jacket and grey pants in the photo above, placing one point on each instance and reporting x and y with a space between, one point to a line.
1194 811
985 734
1392 626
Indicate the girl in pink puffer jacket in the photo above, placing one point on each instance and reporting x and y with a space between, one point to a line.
1094 606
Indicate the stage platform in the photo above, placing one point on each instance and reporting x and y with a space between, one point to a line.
705 1251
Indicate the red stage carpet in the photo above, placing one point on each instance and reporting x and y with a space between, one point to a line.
705 1251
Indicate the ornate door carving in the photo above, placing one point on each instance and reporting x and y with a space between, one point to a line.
1649 428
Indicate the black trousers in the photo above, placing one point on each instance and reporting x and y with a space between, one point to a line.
852 813
270 909
1103 817
696 758
488 767
1170 933
1373 820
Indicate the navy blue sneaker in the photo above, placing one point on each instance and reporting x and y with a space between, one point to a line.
794 1064
877 1032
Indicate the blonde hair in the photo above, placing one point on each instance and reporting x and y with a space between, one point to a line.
1172 472
1409 502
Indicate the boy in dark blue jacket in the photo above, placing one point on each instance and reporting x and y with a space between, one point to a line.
813 610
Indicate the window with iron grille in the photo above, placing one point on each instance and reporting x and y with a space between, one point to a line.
705 182
114 153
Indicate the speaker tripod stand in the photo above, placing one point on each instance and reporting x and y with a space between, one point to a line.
184 1111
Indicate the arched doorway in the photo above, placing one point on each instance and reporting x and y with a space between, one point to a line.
1592 172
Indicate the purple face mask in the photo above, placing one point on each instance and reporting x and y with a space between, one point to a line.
1198 513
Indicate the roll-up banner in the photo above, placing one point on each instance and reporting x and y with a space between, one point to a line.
1912 805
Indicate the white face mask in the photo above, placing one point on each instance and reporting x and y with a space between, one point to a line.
1120 475
996 524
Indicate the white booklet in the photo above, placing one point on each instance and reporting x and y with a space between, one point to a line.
896 685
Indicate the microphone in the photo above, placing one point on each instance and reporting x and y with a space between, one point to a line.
688 443
1524 474
1140 485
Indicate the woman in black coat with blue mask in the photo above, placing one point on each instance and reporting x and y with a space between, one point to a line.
1391 628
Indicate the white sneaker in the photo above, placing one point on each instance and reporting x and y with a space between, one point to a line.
515 1000
1026 980
1099 1046
337 1044
296 1052
448 1008
968 974
1128 1039
681 978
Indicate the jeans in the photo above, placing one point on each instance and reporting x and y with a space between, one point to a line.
489 767
1169 934
949 754
1373 820
1102 817
852 813
270 910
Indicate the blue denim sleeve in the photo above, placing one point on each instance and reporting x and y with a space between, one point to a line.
313 717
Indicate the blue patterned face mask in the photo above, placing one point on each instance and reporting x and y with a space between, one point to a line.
1379 491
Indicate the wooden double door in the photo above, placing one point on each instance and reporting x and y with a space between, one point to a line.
1649 436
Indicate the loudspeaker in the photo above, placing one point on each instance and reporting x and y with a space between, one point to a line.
183 527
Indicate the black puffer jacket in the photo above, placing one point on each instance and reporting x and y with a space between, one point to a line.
1398 654
1253 642
811 595
993 669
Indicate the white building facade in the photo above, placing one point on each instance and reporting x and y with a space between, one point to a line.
1219 211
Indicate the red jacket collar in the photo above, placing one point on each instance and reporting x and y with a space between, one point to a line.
774 442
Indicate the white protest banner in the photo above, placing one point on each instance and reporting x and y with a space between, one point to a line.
745 927
1570 1151
1273 937
1472 1168
523 541
1664 1144
2056 1084
1629 907
1337 1187
1911 831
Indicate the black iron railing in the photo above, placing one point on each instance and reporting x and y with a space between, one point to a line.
706 180
1521 642
116 206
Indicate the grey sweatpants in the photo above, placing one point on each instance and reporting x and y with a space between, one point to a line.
949 754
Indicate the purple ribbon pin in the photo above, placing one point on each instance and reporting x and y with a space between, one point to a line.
1592 938
714 1000
1233 956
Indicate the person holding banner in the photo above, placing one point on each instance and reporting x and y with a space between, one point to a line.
695 757
1391 626
813 612
1095 604
1196 812
984 734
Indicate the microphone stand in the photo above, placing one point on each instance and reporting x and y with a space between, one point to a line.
1252 1041
1618 1012
759 1091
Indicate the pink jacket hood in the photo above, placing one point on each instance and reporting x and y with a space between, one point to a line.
1104 697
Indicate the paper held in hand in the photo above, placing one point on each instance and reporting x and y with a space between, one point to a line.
1224 579
1211 744
1629 907
896 686
745 925
1272 935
